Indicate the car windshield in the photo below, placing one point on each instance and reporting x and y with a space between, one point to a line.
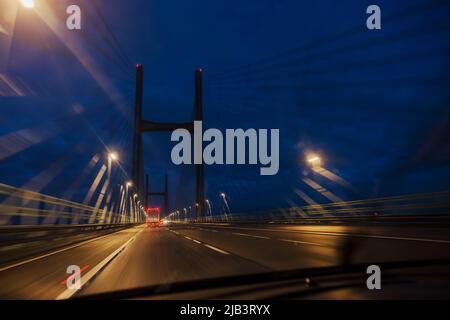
149 143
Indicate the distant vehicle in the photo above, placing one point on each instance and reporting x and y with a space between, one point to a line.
153 219
153 223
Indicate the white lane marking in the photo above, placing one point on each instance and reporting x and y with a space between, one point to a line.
250 235
53 252
303 242
340 234
285 240
66 294
188 238
207 245
215 249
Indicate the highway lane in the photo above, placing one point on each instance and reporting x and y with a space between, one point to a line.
20 245
184 252
300 246
42 277
163 256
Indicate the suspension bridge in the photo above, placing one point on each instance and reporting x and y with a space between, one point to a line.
97 206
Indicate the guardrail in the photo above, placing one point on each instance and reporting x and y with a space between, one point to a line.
424 207
20 206
443 220
20 242
14 234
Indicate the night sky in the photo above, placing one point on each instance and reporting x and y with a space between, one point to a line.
375 105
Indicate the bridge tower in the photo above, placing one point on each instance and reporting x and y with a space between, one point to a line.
142 126
164 193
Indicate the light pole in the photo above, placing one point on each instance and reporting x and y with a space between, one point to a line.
134 204
196 211
124 199
224 197
112 156
209 209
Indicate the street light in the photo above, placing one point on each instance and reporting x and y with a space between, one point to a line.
209 207
129 184
113 156
27 3
314 160
224 197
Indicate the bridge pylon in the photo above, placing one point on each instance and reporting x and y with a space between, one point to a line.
142 126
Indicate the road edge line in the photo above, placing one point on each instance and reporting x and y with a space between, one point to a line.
73 246
68 293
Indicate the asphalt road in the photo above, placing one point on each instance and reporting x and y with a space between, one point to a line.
144 256
42 276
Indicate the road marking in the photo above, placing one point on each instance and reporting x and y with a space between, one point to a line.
52 253
68 293
76 273
210 230
285 240
250 235
215 249
340 234
207 245
302 242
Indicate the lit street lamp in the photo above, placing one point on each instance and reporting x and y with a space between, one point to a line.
113 156
224 197
314 160
27 3
209 208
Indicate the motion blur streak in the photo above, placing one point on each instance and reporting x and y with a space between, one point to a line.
23 139
45 10
335 178
321 190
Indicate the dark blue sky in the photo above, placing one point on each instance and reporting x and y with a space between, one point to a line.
373 104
